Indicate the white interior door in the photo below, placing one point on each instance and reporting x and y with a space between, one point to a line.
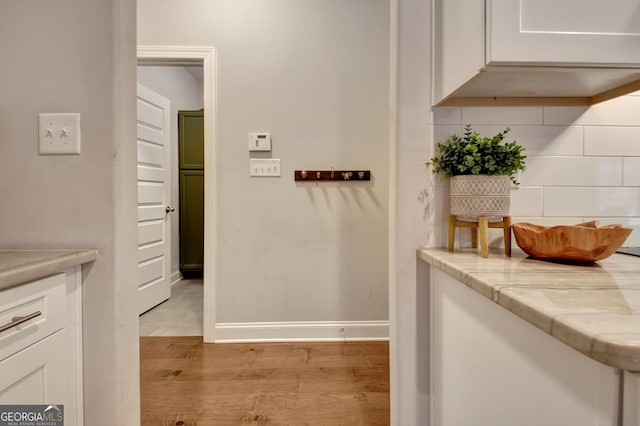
154 209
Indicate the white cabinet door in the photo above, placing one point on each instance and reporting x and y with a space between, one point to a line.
490 367
569 32
35 375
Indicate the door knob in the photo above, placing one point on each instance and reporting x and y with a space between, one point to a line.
169 209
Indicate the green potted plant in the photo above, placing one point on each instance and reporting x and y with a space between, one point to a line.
481 170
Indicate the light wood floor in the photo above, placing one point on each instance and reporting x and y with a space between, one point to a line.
185 382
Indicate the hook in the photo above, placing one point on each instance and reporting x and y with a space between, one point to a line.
347 175
332 172
361 175
303 174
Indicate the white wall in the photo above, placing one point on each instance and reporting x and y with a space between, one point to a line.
185 93
411 218
582 163
77 56
315 74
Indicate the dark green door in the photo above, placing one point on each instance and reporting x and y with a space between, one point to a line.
191 162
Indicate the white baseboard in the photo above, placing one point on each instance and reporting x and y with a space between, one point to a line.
176 276
314 331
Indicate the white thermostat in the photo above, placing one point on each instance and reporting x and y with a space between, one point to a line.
259 141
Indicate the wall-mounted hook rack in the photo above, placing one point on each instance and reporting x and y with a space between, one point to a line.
333 175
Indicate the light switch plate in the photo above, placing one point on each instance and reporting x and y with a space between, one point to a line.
59 134
264 167
259 141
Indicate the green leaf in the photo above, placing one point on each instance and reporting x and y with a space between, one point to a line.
473 154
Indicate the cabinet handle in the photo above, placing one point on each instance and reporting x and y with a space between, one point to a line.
19 320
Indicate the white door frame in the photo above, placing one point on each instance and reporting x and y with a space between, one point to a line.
196 55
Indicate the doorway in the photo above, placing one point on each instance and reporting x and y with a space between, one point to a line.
204 58
178 309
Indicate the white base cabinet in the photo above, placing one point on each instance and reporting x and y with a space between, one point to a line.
35 375
491 368
41 358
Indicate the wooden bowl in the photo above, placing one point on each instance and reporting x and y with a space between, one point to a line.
585 242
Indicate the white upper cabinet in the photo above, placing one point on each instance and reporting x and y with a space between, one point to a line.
566 51
564 32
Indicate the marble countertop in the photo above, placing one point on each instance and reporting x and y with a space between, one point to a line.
594 308
21 266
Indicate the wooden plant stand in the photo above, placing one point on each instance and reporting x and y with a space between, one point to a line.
482 227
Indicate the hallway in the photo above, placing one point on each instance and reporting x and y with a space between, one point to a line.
181 315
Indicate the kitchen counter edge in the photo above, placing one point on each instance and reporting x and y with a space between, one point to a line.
22 266
567 326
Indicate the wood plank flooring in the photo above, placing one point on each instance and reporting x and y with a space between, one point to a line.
185 382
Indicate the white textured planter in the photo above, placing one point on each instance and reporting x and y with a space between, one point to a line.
480 195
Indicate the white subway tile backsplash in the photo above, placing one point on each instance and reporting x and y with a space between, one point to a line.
583 163
442 132
633 240
631 171
594 201
613 141
563 115
526 201
501 116
541 140
447 115
572 171
622 111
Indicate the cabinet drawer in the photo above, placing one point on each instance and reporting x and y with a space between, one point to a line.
46 296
